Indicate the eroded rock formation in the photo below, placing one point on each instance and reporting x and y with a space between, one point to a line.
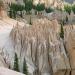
5 71
45 52
2 10
42 46
70 46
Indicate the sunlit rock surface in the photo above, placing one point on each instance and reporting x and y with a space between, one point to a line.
6 45
70 46
42 46
45 52
5 71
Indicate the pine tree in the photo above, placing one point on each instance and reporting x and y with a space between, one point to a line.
14 14
28 5
48 10
66 19
10 13
30 21
62 32
14 8
16 65
67 8
25 71
40 7
73 8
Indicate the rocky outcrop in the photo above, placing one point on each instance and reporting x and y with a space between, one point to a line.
45 52
2 62
5 71
6 45
2 11
70 47
42 46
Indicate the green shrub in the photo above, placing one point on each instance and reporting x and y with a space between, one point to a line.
67 8
28 5
25 71
73 8
40 7
48 10
16 65
62 32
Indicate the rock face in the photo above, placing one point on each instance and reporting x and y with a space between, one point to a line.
45 52
70 46
13 1
2 11
6 46
41 45
5 71
2 62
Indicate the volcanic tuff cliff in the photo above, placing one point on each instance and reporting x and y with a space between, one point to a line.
45 52
5 71
41 45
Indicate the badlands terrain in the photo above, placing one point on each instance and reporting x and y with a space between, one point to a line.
39 43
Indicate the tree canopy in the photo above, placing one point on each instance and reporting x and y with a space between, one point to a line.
73 8
25 71
67 8
16 7
48 10
16 65
40 7
62 32
28 5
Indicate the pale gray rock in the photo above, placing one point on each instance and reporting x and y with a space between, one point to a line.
40 44
5 71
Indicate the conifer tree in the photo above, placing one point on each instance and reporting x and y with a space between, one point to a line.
25 71
10 13
66 19
73 8
48 10
62 32
68 8
40 7
30 21
14 8
28 5
16 65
